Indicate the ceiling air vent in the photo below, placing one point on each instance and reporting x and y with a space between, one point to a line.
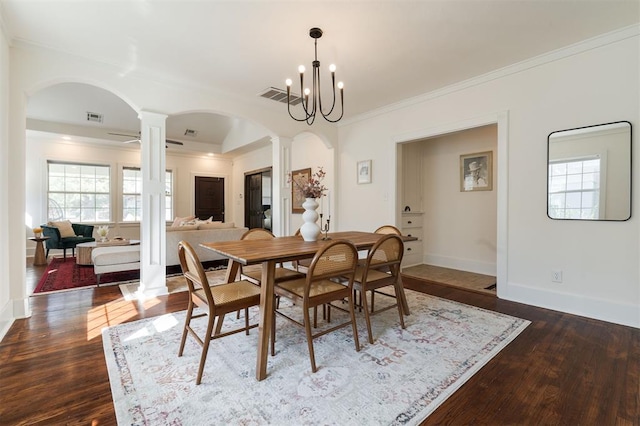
279 95
94 117
191 132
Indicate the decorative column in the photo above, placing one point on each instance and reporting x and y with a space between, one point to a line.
281 197
153 259
13 263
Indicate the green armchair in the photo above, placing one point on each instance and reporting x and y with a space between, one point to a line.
84 234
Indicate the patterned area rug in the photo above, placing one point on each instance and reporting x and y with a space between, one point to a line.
400 379
64 274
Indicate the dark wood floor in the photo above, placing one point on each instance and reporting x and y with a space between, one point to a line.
562 370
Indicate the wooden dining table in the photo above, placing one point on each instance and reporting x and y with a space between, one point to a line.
271 252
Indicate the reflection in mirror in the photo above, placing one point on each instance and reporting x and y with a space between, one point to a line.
589 173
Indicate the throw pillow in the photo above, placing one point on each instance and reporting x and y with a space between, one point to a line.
65 228
201 222
178 220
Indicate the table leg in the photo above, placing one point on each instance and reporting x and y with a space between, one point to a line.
266 318
39 258
232 271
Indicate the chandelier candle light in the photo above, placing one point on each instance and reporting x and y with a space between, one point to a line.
313 105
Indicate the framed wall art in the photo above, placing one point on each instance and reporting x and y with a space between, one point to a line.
364 171
476 172
298 179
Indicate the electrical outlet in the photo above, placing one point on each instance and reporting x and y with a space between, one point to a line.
556 276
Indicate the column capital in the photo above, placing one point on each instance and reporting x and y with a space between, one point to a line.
151 116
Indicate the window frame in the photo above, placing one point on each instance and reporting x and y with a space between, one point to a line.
95 194
169 204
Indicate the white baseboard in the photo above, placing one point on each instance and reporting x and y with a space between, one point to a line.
6 319
604 310
461 264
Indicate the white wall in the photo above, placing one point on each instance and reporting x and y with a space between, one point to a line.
590 83
459 227
184 168
6 309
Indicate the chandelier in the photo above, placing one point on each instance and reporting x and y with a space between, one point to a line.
311 98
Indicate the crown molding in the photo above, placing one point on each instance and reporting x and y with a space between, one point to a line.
536 61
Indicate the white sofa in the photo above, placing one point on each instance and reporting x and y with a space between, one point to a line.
127 258
115 259
197 234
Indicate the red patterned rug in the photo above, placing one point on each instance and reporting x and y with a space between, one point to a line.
67 275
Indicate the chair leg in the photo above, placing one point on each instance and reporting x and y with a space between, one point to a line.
219 324
46 255
354 326
367 316
205 348
307 327
246 320
398 289
315 317
276 301
187 322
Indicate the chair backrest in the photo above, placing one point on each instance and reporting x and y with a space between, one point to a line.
388 229
337 259
193 271
257 234
386 254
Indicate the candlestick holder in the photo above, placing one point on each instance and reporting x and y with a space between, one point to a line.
325 228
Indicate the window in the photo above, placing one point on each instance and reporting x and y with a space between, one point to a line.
574 189
78 192
132 195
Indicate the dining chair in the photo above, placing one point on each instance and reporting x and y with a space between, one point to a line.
388 229
320 286
215 301
384 229
381 269
254 273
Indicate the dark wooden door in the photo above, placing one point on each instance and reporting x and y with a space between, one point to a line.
253 213
209 198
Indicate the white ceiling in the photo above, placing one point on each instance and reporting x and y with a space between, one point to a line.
386 51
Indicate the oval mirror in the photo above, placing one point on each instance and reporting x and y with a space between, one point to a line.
589 172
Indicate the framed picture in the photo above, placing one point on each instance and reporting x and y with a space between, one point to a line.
364 171
476 172
298 179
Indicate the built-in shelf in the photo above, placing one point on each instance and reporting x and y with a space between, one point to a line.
412 226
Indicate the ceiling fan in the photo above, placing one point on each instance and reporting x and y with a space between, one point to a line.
137 139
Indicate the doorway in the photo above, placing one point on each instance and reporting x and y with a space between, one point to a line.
498 243
209 198
257 201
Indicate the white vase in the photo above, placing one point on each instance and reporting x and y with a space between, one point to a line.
310 228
